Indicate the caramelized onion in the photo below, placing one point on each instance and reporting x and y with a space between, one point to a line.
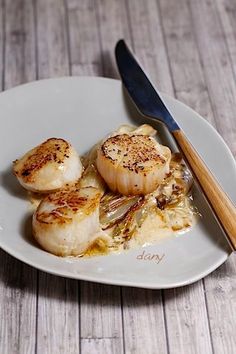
114 207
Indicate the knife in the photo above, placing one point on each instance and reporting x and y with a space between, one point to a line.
149 103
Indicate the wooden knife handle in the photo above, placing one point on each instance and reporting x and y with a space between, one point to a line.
219 201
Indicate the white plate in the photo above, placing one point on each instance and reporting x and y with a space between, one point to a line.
83 110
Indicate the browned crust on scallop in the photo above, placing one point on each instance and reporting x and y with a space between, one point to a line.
118 142
137 150
67 203
53 150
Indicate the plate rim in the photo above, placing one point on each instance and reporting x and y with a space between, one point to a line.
101 280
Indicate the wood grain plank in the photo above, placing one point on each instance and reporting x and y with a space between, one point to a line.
19 53
113 25
227 15
144 323
148 42
17 281
85 48
18 306
186 319
58 309
101 346
101 322
220 289
186 68
52 39
217 67
58 315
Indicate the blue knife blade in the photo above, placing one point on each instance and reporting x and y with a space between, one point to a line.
140 88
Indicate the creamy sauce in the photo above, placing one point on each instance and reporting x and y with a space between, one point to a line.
155 227
98 247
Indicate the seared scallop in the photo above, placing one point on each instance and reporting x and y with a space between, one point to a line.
133 164
49 166
66 223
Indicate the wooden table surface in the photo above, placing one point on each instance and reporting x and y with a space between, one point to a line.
189 49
